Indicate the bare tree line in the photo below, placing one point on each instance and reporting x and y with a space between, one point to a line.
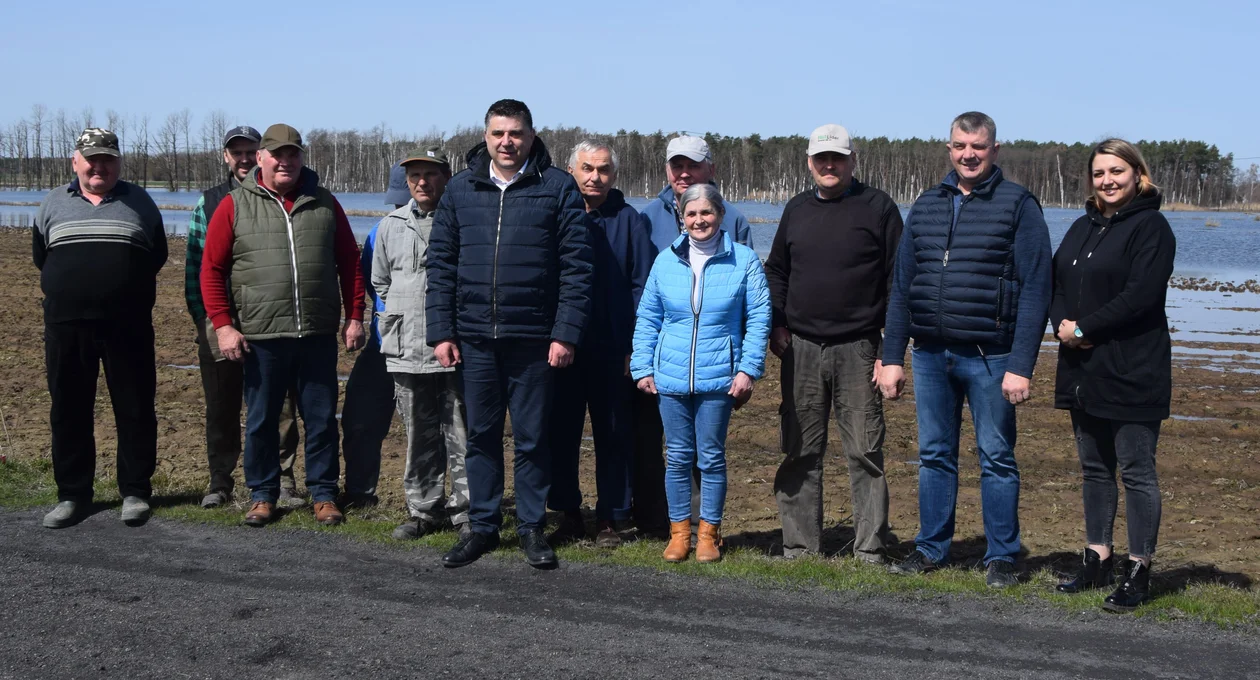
33 153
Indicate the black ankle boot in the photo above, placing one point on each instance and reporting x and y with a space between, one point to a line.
1093 573
1133 590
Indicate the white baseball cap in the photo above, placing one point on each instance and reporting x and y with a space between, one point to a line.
830 137
694 148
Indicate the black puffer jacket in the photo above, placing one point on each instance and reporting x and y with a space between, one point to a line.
509 264
1111 277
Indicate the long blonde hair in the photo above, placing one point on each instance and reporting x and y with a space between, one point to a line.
1126 152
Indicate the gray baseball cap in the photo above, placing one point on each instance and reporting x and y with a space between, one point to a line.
694 148
242 131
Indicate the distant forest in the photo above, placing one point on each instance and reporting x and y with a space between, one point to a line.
176 153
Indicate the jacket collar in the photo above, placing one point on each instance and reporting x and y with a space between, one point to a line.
682 247
478 159
1151 200
985 188
612 204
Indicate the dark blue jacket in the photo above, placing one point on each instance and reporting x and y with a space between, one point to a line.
662 215
621 239
509 264
972 270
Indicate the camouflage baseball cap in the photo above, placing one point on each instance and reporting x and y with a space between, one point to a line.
432 154
280 135
97 142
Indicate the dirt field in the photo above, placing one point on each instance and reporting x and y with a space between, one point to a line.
1208 468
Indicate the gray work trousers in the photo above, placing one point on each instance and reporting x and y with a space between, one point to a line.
816 379
432 408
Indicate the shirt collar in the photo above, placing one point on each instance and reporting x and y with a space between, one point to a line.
504 184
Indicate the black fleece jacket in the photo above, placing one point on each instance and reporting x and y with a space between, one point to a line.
831 263
1111 278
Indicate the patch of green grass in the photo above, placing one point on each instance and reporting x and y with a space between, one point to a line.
27 484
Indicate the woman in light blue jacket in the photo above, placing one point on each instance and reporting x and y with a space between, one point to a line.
699 343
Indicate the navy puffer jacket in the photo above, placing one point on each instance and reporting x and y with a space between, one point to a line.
509 264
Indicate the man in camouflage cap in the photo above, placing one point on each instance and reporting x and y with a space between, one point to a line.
99 243
429 396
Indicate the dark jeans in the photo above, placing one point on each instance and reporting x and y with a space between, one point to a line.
649 508
271 366
365 419
599 382
502 376
223 383
945 375
1104 445
73 355
817 379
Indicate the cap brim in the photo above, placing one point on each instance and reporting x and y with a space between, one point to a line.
695 156
99 151
422 159
245 137
834 149
276 146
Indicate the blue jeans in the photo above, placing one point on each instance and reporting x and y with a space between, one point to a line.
502 376
695 436
271 367
600 383
943 376
365 418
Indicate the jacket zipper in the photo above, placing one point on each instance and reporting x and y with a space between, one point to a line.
494 277
949 241
288 225
695 318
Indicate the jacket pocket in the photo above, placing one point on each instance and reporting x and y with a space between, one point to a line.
391 325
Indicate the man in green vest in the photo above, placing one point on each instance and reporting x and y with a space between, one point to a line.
284 246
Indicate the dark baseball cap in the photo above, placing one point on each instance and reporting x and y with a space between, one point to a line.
431 154
397 193
97 142
281 135
242 131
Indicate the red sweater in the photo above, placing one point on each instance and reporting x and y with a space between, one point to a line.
216 264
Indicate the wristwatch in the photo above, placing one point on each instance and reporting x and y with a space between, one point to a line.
1077 332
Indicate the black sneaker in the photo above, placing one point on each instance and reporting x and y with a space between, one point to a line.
538 554
916 563
1001 574
469 549
571 530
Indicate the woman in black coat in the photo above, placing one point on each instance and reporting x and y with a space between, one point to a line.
1115 362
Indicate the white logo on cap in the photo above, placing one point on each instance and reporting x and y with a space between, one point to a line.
431 154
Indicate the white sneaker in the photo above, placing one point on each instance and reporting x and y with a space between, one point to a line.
135 510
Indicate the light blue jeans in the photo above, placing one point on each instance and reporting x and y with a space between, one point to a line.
695 436
945 375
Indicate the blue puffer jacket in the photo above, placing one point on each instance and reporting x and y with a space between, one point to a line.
509 264
690 353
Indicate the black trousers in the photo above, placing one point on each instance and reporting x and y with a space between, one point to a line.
73 355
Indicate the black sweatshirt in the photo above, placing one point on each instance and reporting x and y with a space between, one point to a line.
831 263
1111 278
98 261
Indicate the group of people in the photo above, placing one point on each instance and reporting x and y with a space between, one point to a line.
516 287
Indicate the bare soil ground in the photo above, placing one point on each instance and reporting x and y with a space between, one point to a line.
1208 466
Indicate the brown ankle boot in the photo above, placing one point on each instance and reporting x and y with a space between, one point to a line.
679 541
709 542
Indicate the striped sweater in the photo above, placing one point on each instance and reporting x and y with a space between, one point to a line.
98 261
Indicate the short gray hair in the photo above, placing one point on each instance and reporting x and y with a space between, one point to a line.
972 122
703 191
591 146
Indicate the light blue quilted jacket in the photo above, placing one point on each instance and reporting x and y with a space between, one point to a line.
690 352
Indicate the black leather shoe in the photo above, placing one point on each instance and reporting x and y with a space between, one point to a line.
571 530
538 554
469 549
1093 573
916 563
1132 591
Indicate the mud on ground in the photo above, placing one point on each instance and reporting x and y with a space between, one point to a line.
1208 466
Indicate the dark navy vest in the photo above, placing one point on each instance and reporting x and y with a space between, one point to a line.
964 289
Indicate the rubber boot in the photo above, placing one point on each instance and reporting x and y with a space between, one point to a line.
679 541
709 542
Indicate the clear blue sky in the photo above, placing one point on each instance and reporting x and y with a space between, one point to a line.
1063 70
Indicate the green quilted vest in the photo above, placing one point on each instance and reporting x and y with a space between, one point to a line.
284 273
